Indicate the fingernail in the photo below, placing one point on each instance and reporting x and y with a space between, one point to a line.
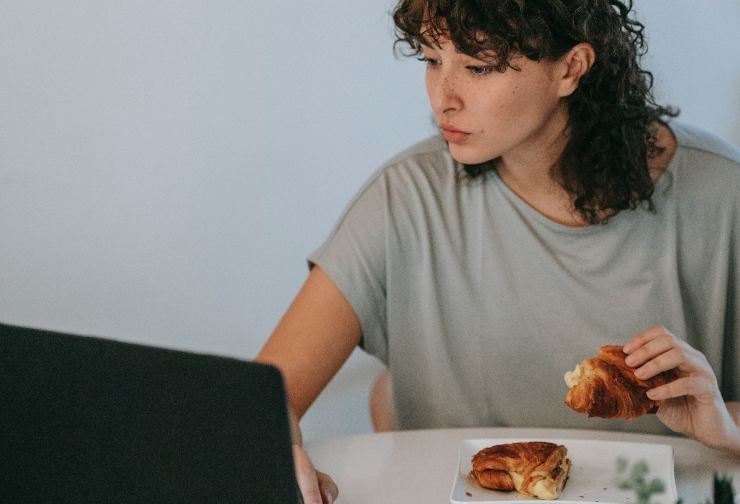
640 373
629 360
651 394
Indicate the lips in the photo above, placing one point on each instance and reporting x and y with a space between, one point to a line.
453 135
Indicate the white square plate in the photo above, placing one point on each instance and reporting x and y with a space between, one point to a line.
593 475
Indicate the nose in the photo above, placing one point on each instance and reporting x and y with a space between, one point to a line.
444 93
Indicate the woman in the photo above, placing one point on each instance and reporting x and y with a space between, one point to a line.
558 212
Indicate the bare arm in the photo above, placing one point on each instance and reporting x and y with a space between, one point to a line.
314 338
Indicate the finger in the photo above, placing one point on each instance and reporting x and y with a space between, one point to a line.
688 386
329 490
640 339
650 349
683 357
306 476
671 359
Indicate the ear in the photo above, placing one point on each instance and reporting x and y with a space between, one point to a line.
575 64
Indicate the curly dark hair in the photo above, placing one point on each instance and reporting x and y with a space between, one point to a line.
612 116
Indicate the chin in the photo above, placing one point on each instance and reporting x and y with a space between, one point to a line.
468 155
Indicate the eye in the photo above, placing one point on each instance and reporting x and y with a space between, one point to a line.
481 70
428 61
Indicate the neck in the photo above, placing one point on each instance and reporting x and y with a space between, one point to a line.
530 171
531 166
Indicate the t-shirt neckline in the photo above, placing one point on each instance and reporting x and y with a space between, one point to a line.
661 185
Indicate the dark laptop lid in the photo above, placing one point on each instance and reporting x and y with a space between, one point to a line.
88 420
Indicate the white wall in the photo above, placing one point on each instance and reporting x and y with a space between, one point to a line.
166 166
694 52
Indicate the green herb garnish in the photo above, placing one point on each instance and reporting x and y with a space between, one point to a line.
635 479
723 493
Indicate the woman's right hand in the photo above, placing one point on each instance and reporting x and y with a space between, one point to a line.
316 487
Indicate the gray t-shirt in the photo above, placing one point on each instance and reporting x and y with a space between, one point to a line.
479 304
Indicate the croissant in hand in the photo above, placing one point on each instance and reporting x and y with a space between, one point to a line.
535 468
604 386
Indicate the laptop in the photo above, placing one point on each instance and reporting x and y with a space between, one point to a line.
89 420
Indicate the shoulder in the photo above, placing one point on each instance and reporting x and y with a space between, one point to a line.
706 172
706 163
705 145
427 162
431 147
424 157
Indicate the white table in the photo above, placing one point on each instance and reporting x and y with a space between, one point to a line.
418 467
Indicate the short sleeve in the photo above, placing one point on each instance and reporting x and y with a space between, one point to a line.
354 257
731 352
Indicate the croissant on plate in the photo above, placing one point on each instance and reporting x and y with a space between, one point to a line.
535 468
604 386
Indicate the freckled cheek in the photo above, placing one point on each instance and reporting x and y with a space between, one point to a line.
429 88
433 89
501 109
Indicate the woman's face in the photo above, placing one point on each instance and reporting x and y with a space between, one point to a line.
484 114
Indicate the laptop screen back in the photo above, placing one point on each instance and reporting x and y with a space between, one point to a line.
88 420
